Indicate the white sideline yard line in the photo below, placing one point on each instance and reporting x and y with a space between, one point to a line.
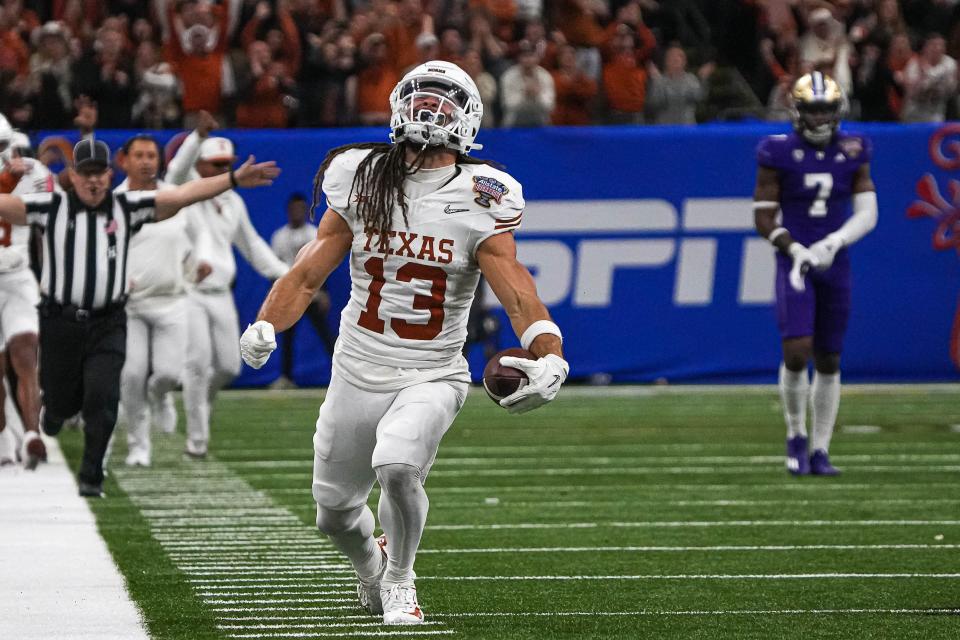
322 601
692 524
673 549
642 612
253 594
707 576
58 576
787 486
607 460
350 634
579 504
333 625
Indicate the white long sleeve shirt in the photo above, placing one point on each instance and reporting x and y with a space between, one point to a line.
228 223
155 266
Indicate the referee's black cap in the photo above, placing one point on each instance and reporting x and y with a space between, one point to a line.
91 153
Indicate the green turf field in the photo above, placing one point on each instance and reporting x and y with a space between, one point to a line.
640 513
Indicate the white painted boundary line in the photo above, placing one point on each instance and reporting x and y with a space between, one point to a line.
58 577
334 625
797 547
693 524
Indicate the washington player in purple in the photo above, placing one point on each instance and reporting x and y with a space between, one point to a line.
818 180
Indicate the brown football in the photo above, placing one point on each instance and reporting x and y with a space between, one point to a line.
501 381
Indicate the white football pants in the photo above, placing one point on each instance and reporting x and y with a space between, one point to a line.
213 359
359 430
156 353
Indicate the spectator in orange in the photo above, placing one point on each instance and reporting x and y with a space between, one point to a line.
491 48
428 48
575 90
402 32
14 53
578 20
631 15
279 32
624 81
262 104
375 81
504 11
13 15
196 47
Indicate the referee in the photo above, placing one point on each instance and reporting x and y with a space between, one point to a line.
83 285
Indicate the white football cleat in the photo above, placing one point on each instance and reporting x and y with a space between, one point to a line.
368 591
138 458
400 604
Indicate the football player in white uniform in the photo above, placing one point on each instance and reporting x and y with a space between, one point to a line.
157 305
421 221
19 297
213 358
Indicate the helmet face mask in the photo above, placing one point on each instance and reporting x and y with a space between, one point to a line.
818 107
436 104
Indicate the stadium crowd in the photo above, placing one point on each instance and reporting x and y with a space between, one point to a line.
325 63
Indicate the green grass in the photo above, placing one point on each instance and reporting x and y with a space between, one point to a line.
643 473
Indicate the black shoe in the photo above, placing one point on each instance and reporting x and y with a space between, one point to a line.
90 490
51 428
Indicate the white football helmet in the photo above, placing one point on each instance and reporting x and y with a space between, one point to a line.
12 140
6 132
436 104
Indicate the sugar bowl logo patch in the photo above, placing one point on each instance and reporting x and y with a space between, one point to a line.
488 189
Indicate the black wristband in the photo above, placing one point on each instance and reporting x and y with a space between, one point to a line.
233 180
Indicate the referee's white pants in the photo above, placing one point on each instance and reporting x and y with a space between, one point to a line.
156 352
213 360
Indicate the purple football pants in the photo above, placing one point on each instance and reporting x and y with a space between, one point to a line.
821 310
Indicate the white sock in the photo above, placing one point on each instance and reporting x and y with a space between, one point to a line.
403 514
794 391
825 402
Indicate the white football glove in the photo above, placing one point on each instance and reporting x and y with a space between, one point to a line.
257 343
826 250
544 375
803 259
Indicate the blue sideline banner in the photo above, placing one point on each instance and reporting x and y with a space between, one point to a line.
641 242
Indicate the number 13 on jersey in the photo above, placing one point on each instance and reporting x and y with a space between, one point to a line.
370 317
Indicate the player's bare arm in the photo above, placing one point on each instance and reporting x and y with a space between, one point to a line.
292 293
862 180
766 204
249 174
13 209
516 290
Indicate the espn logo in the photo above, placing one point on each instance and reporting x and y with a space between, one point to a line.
585 274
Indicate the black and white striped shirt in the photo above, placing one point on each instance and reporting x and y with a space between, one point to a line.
85 248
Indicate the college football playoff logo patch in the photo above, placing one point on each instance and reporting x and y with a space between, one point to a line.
488 189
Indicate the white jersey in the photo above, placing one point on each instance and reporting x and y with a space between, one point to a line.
15 239
158 251
412 289
286 241
227 222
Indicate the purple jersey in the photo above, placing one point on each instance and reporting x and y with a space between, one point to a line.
816 185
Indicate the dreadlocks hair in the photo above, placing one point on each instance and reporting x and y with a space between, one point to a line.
378 181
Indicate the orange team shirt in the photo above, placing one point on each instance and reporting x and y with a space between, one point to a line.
625 84
201 75
401 43
573 99
265 107
374 85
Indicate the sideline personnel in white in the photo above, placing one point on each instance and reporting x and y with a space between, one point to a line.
421 221
213 358
157 304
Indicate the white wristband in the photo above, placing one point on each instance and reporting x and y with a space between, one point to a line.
538 327
776 233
